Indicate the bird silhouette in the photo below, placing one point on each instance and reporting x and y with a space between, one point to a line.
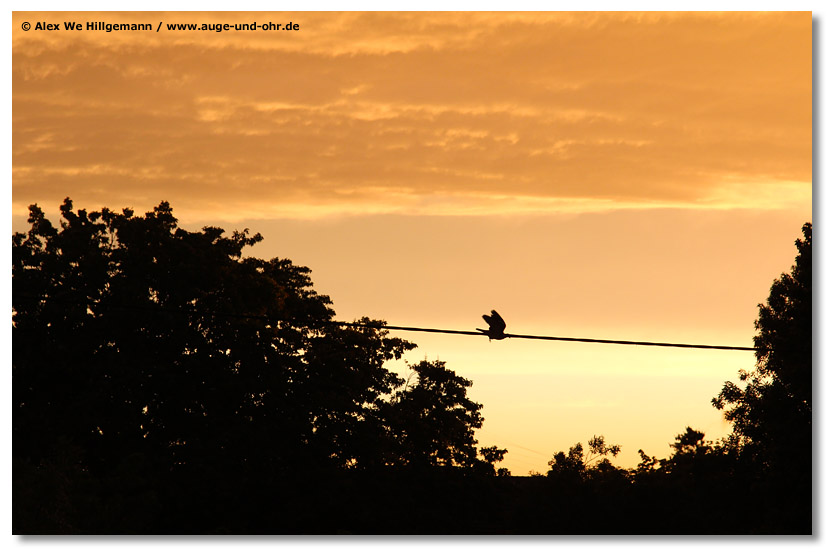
496 326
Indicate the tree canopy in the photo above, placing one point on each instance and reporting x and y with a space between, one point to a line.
165 383
142 347
772 412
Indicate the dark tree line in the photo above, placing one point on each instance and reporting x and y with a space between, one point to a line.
757 480
164 383
145 354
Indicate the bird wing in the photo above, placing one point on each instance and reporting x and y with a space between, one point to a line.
496 323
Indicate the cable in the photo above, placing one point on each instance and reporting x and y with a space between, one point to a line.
552 338
643 343
404 328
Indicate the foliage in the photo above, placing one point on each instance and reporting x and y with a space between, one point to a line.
578 465
164 383
647 464
147 350
433 422
771 413
491 456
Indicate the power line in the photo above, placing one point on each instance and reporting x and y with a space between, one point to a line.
198 312
553 338
644 343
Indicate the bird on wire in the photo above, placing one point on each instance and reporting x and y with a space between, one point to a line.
496 326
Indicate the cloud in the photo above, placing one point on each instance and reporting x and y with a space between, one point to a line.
393 112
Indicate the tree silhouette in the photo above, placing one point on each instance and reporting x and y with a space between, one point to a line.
121 341
777 398
433 422
491 456
149 361
772 413
577 466
164 383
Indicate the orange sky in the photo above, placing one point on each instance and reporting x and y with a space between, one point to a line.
632 176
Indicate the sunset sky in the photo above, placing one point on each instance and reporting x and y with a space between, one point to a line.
637 176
